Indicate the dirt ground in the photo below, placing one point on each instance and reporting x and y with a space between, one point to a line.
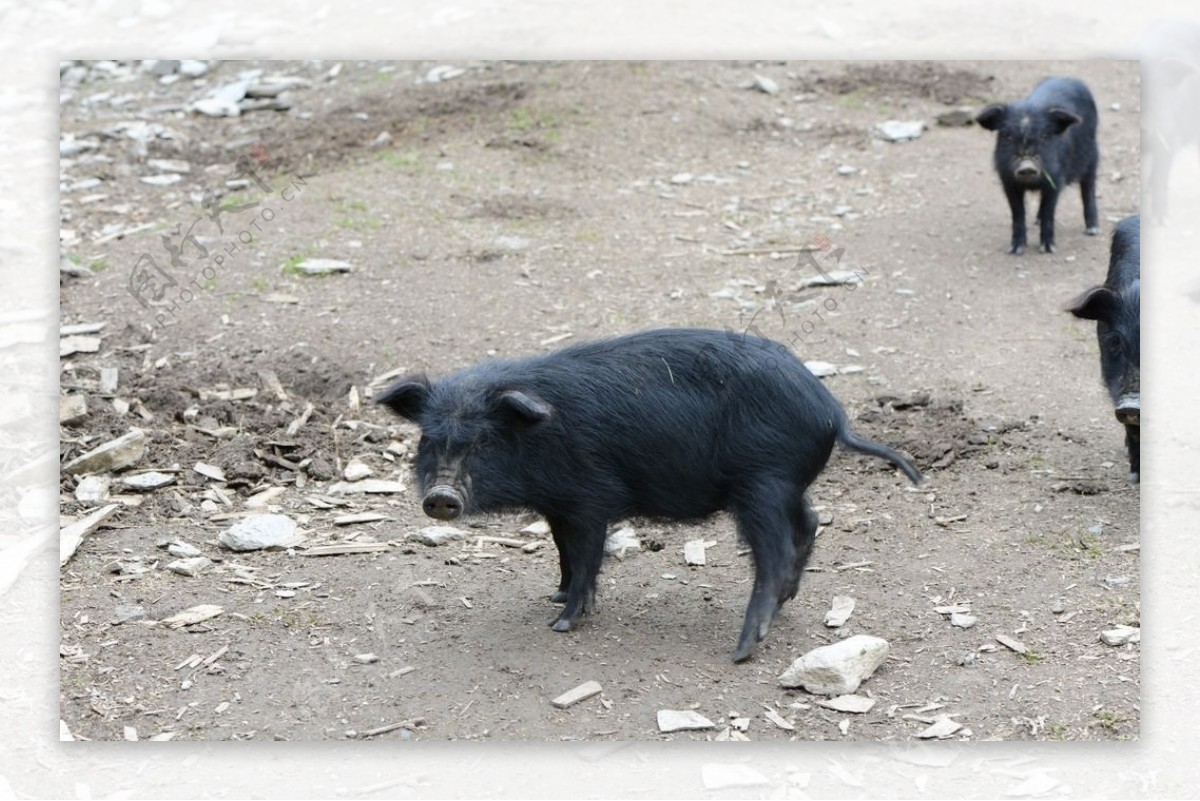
515 207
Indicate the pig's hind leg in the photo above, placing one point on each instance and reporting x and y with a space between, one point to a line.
1091 214
763 521
804 534
580 551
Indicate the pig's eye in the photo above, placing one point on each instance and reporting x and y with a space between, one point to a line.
1113 343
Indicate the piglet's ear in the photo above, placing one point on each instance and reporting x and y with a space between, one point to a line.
406 397
992 116
528 409
1098 303
1061 119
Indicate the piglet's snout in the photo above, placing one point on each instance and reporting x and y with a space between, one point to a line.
1129 410
1027 169
443 503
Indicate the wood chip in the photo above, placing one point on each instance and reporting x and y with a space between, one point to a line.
336 550
777 719
70 536
581 693
192 616
81 328
857 704
507 542
299 422
1010 642
942 727
209 471
264 498
852 566
78 344
404 724
359 517
270 382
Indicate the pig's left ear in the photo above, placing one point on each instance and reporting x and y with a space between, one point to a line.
992 117
1061 119
528 409
1098 303
407 397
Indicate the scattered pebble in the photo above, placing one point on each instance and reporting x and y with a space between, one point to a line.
538 528
92 490
681 178
162 179
257 532
900 131
670 720
183 550
128 613
693 552
444 72
821 369
145 482
856 704
356 470
622 540
189 567
847 169
366 659
843 606
1014 644
963 621
322 266
941 728
433 536
581 693
113 455
1121 635
837 669
765 85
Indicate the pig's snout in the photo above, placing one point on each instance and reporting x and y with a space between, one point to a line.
443 503
1027 170
1129 410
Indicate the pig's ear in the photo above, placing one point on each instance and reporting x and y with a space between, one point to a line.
406 397
528 409
1061 119
1098 303
992 116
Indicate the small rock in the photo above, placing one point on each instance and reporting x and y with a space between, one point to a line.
169 165
256 532
837 669
693 552
681 178
942 727
191 68
1115 106
183 550
856 704
764 84
145 482
366 659
620 541
209 471
956 118
1121 635
114 455
68 346
1014 644
164 179
444 72
963 621
538 528
323 266
356 471
843 606
189 567
847 169
717 776
1058 607
681 720
434 536
821 369
128 613
899 130
92 490
71 408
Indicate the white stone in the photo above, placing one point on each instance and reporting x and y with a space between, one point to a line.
857 704
963 621
356 471
837 669
821 369
1121 635
434 536
899 130
92 490
162 179
144 482
120 452
189 567
839 613
323 266
764 84
192 68
681 178
693 552
256 532
942 727
622 540
183 550
681 720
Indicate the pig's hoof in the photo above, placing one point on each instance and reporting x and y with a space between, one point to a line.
1135 478
1092 230
562 625
1046 248
1017 250
559 597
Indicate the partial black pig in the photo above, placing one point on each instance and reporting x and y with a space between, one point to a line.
675 424
1043 144
1116 308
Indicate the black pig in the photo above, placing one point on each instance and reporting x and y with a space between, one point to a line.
674 424
1044 143
1116 308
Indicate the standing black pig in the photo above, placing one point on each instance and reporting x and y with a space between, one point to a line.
1044 143
1116 308
675 424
